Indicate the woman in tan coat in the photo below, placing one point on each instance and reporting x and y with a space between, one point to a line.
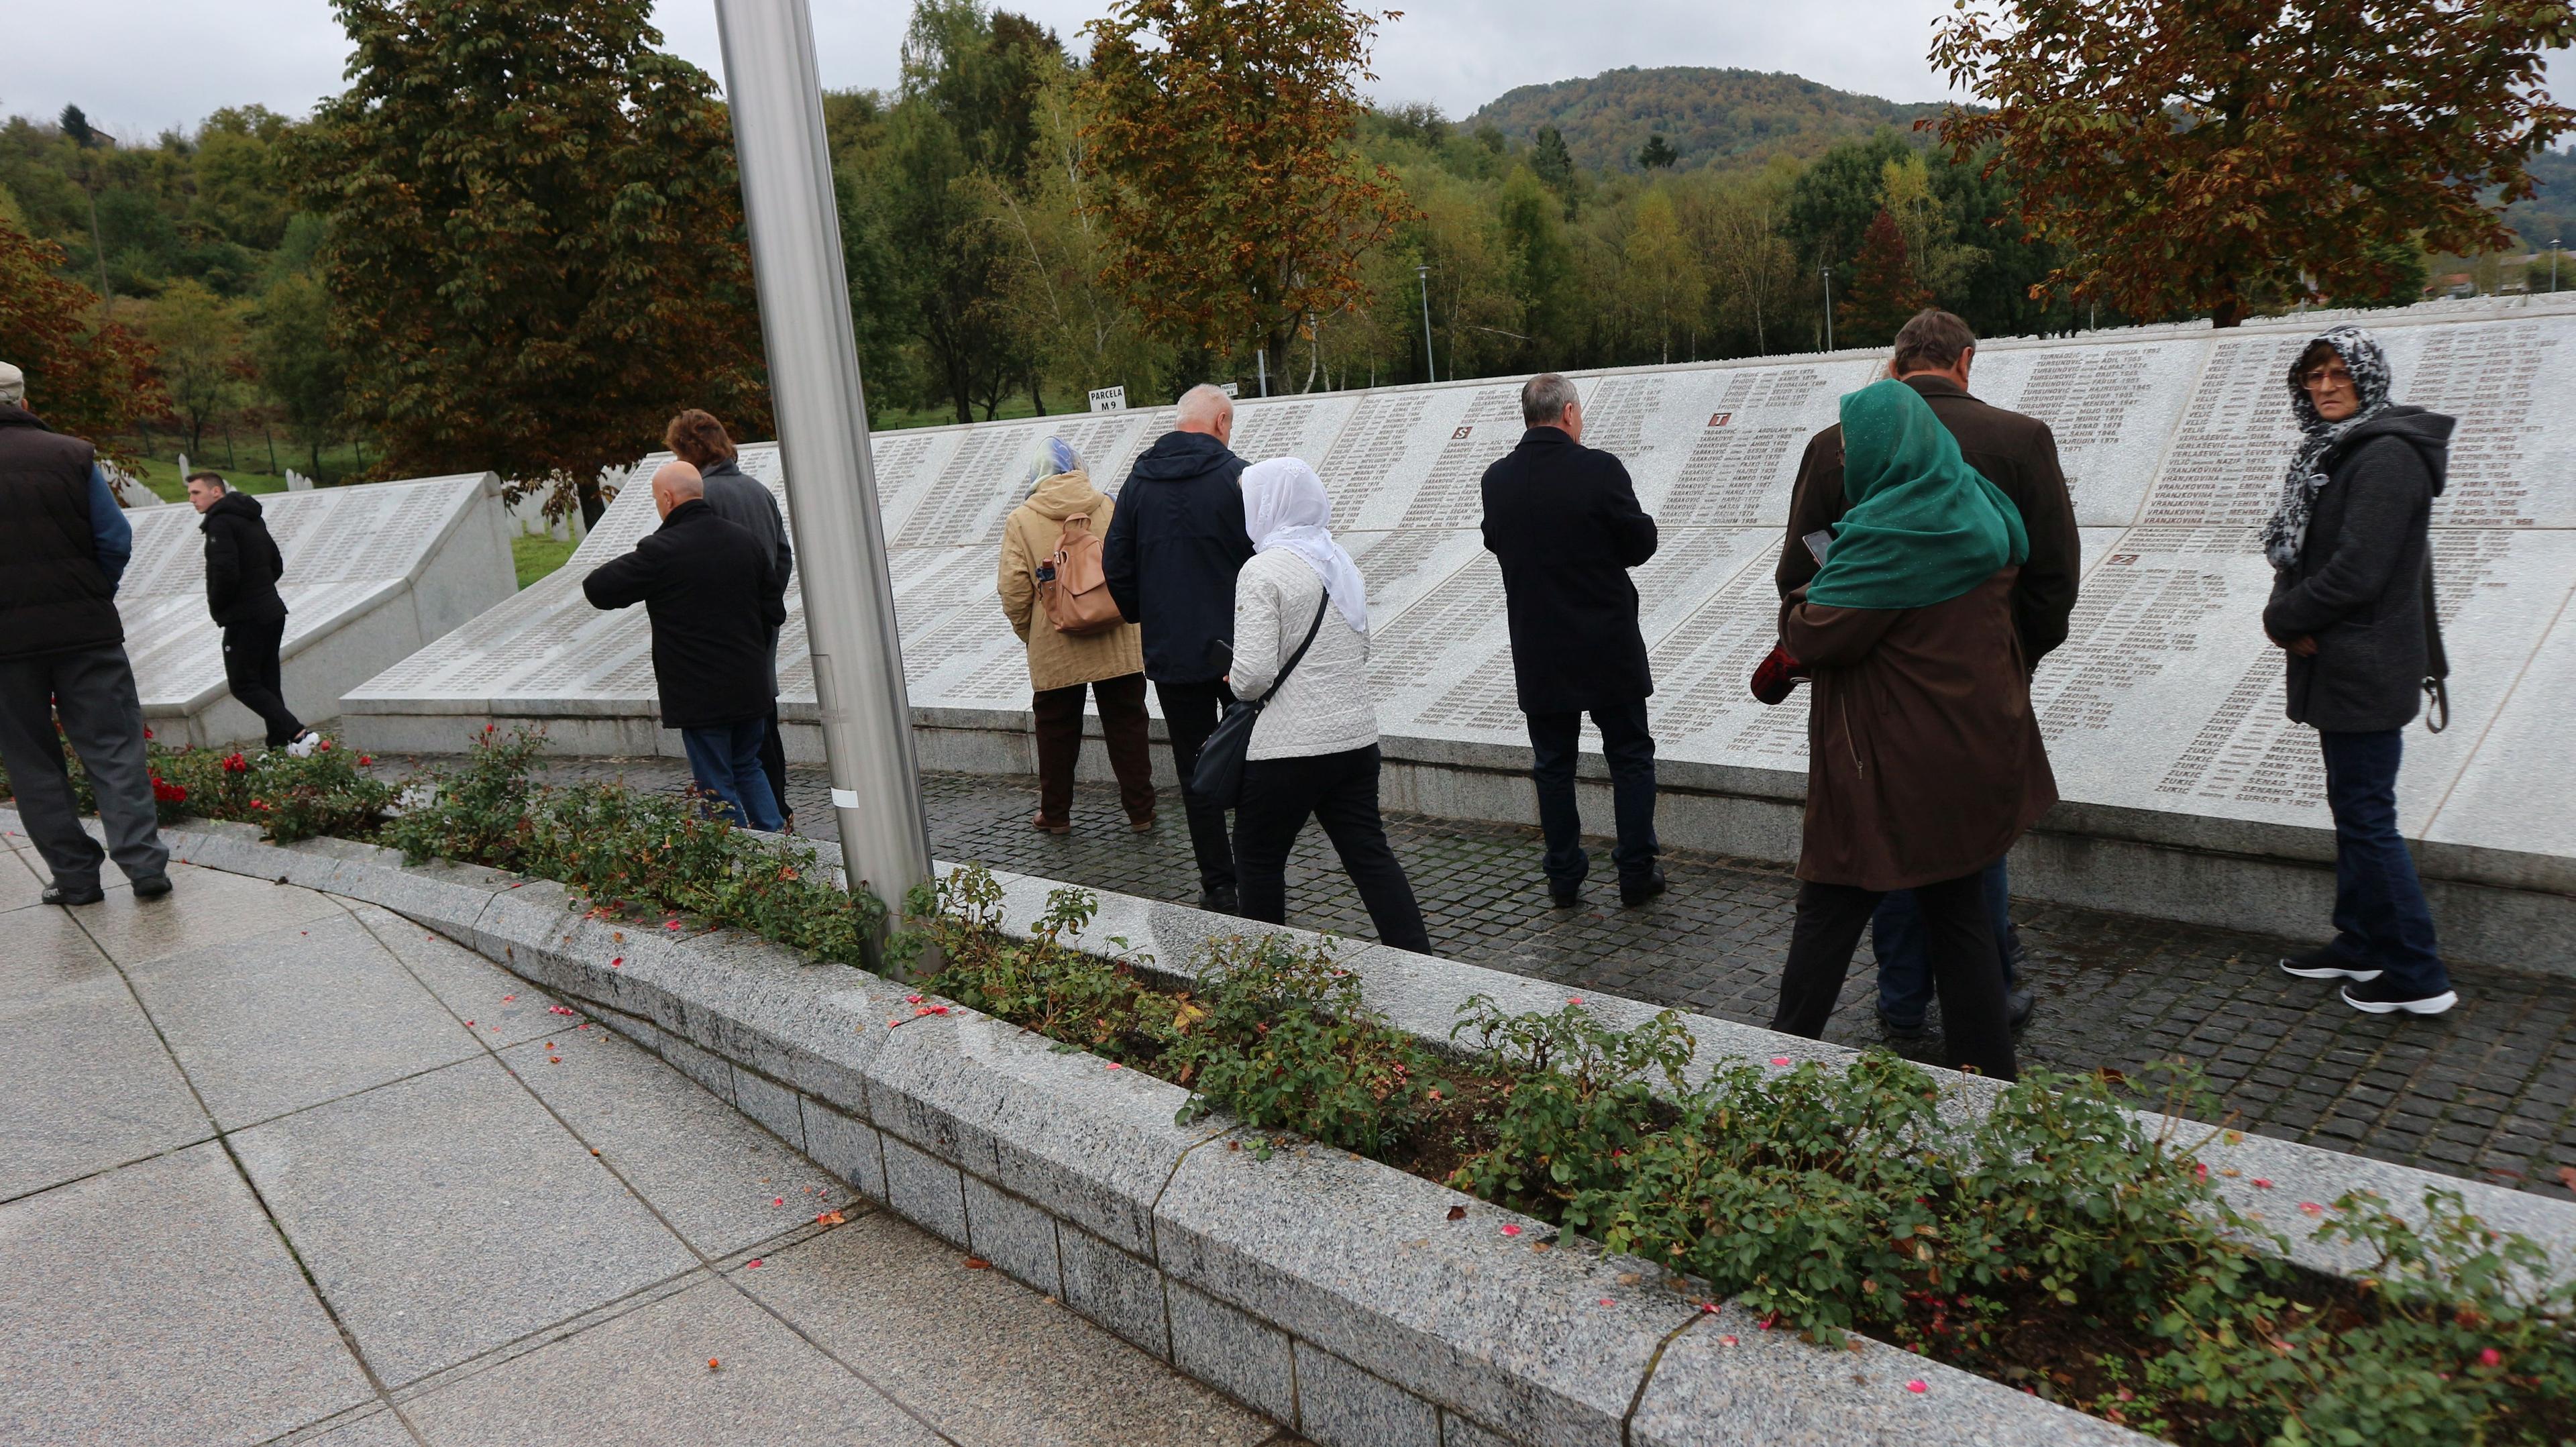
1062 508
1924 761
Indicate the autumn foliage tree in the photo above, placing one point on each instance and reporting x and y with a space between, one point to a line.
90 379
2210 156
1883 292
1236 207
535 250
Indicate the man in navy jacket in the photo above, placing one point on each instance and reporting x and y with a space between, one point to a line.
63 547
705 583
1563 521
1170 559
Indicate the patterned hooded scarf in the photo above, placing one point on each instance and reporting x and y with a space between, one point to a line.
2287 532
1052 457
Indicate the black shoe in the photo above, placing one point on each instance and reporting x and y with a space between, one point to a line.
152 886
2382 997
1220 900
56 894
2325 964
1903 1030
2018 1006
1641 891
1568 897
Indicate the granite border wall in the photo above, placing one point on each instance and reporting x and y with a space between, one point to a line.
1327 1291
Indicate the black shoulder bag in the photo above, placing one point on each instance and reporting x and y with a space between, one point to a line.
2437 662
1218 776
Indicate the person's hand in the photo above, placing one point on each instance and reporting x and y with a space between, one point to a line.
2302 646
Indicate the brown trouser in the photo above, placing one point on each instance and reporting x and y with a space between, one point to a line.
1122 726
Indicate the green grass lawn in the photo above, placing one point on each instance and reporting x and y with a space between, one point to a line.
537 555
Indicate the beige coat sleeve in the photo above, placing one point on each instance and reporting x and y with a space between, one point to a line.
1017 579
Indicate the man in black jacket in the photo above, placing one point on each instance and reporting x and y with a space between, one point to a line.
698 439
704 583
1563 521
2352 554
1170 559
63 546
242 569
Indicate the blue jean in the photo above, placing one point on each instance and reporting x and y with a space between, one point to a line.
725 759
2381 920
1904 959
1555 740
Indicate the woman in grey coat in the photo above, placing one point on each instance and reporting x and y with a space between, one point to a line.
2351 606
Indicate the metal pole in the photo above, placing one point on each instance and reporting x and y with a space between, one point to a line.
1430 368
2553 266
776 95
1826 270
1261 359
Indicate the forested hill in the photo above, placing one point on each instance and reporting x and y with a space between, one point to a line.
1709 115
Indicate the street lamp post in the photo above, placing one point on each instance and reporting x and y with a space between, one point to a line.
1430 368
776 95
2553 266
1825 269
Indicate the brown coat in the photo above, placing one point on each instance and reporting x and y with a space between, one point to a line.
1924 760
1059 660
2017 454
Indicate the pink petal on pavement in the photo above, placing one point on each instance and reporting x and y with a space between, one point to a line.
2312 1208
1510 1229
1114 1065
2261 1184
1917 1386
1779 1059
1605 1301
1726 1341
778 1200
617 963
755 1261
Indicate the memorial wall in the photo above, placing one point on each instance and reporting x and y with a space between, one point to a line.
373 572
2165 699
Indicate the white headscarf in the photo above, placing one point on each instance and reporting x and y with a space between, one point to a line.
1284 507
1052 457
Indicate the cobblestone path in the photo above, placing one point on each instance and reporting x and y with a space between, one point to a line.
2487 1091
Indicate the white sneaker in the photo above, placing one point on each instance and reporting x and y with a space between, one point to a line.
303 745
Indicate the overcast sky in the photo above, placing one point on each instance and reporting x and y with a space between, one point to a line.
140 66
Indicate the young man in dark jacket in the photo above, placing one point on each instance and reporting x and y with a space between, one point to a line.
2352 558
704 582
63 546
1174 546
242 569
699 440
2018 454
1563 521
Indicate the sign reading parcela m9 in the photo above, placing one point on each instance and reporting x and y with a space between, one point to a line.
373 572
2164 704
1109 399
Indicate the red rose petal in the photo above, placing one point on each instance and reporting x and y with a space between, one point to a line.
778 1200
2312 1208
1917 1386
755 1261
2261 1184
1605 1301
1511 1230
1114 1065
1779 1059
1726 1341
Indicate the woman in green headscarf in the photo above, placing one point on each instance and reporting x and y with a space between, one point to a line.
1924 762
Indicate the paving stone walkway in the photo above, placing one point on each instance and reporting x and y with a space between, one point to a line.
277 1167
2487 1091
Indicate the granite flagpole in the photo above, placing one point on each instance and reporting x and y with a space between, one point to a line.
775 92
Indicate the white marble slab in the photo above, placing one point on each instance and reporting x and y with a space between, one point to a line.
2165 697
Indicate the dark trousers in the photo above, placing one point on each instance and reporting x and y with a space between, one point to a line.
1340 791
251 669
92 691
1122 727
2381 920
1190 712
1630 751
773 763
1904 955
725 761
1962 939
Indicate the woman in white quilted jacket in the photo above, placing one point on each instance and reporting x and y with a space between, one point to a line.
1314 746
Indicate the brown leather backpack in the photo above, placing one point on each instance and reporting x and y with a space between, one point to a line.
1077 598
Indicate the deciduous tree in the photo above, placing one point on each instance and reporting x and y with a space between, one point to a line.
535 250
1238 208
1883 291
2214 155
86 378
199 336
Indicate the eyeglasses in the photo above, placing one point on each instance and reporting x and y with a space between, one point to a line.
2334 375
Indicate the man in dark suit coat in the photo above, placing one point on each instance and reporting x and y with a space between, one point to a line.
1563 521
705 584
2019 455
